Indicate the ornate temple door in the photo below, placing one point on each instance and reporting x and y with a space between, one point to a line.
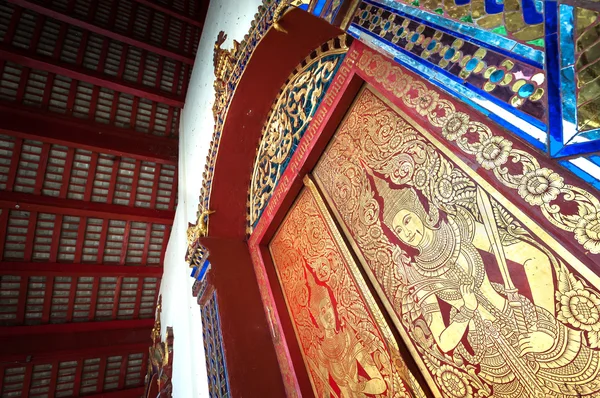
347 346
486 301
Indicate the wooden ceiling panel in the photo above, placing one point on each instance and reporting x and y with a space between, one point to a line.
42 168
91 93
75 375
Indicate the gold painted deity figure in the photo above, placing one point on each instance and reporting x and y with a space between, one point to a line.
521 349
342 352
348 348
490 301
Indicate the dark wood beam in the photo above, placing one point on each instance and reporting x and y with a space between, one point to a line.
49 204
87 75
101 31
170 12
58 269
77 327
92 136
135 392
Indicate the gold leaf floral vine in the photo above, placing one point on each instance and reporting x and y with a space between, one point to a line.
538 186
288 119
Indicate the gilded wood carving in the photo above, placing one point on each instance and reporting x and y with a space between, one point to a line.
515 169
289 119
348 348
488 302
160 360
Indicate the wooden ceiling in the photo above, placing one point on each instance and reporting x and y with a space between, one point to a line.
91 93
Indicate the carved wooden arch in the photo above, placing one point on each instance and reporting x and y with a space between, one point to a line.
272 61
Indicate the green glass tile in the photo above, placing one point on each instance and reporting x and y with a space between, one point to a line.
501 30
467 18
537 42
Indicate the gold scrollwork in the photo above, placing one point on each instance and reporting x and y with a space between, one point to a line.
288 120
512 167
336 319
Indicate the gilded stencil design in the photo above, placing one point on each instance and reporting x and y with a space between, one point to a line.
348 348
487 306
289 119
512 167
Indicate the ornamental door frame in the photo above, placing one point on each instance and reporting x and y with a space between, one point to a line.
346 86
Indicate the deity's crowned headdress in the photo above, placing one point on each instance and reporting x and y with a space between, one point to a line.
395 200
317 292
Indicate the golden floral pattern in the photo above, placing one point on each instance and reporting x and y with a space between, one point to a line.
540 186
537 187
580 308
493 152
288 120
453 382
587 231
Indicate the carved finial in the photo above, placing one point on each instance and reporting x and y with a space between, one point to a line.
277 14
195 232
155 335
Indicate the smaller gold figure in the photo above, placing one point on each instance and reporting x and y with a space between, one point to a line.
223 62
200 229
155 334
341 351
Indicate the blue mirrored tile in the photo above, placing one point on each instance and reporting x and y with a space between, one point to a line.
573 165
586 136
413 67
466 32
515 111
596 160
353 31
551 18
555 120
569 103
529 53
456 89
412 60
532 12
493 6
515 130
581 148
319 7
567 50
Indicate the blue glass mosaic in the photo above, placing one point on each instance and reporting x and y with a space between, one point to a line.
574 92
585 167
216 367
471 63
524 70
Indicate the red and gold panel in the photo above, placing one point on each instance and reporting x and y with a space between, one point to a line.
347 346
489 303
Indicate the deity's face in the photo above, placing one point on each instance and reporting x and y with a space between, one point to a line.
408 227
326 314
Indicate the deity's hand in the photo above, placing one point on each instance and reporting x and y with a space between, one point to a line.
469 298
534 342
